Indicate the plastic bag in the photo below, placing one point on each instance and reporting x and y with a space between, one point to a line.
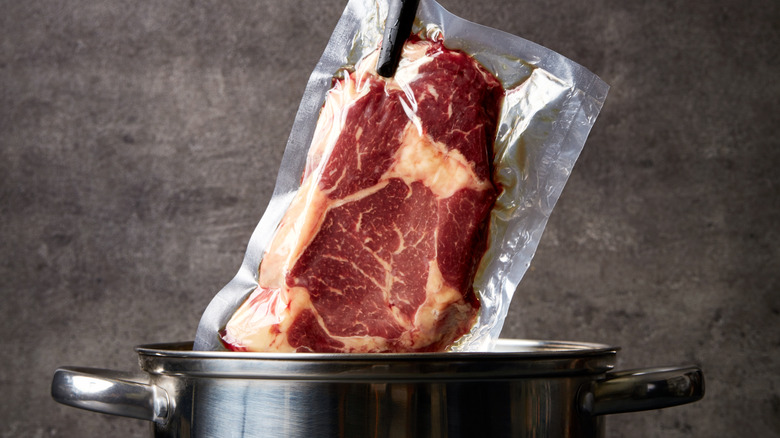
548 108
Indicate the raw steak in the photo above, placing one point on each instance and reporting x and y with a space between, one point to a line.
378 250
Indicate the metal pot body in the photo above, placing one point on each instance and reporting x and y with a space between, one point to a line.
537 407
526 389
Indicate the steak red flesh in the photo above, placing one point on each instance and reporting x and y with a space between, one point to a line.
379 247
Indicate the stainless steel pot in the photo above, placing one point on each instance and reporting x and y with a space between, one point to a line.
523 389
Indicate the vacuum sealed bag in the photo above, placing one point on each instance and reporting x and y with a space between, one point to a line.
407 209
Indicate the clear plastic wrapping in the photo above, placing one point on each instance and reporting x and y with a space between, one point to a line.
549 106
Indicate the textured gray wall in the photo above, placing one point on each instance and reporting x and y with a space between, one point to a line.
139 143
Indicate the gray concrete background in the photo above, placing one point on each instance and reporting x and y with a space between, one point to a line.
139 143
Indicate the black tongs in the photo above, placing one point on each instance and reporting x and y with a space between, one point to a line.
398 26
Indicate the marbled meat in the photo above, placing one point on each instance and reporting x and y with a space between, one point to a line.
379 247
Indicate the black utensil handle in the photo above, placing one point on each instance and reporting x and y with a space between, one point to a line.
398 26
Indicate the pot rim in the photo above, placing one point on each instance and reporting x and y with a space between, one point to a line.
514 348
511 358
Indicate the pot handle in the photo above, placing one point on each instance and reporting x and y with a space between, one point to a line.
643 389
110 392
